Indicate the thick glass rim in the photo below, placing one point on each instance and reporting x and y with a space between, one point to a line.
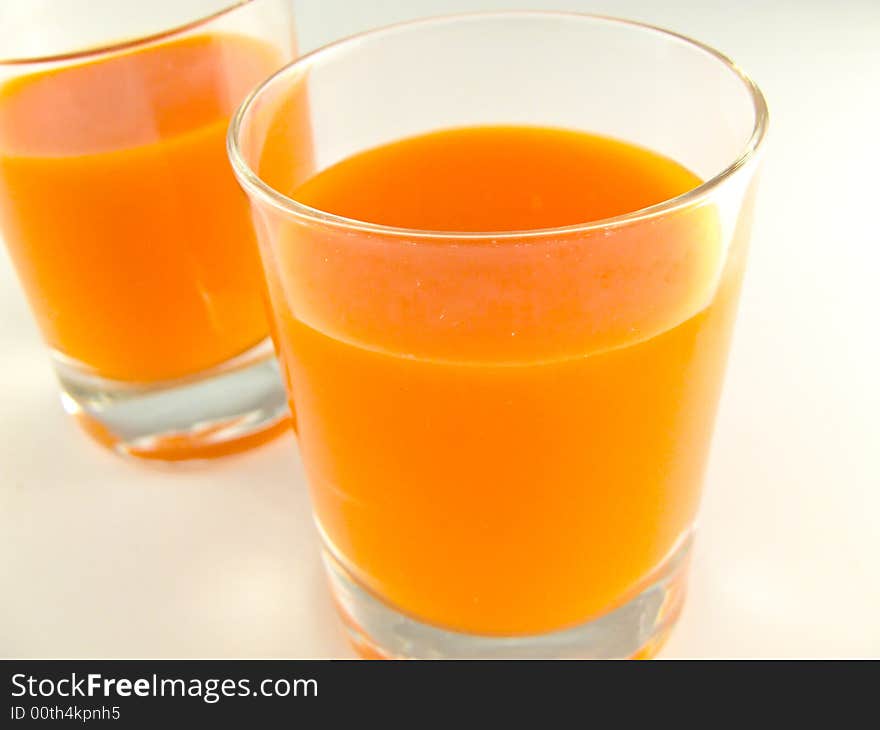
255 185
131 43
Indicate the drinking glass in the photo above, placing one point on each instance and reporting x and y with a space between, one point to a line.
505 433
129 234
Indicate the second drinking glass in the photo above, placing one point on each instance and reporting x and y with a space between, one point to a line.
131 238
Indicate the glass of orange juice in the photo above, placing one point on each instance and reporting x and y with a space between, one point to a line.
129 233
503 289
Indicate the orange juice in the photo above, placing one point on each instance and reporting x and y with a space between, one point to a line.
504 435
128 230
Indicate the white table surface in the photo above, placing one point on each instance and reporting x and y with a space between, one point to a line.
103 557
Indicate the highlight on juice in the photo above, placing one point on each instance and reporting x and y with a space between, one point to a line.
504 273
132 239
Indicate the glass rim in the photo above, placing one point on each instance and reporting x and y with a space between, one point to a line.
254 184
131 43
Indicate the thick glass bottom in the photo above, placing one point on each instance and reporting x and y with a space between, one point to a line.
636 629
234 406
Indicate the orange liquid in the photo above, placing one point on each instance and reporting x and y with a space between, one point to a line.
130 235
505 437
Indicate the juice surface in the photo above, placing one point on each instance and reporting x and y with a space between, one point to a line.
128 230
505 436
496 179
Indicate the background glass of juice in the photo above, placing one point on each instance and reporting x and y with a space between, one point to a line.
129 233
504 343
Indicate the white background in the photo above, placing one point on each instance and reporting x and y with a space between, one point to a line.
103 557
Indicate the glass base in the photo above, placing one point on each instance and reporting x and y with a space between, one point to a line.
634 630
231 407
